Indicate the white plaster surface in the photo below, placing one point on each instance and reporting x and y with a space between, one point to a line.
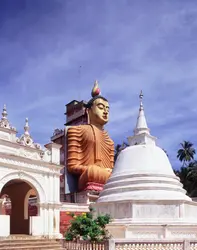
143 172
74 207
4 225
36 225
40 168
143 196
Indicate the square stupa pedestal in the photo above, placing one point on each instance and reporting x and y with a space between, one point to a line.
151 219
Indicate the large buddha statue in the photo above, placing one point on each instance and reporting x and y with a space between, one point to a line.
90 150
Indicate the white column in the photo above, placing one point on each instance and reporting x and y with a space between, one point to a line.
51 188
46 187
54 188
57 188
56 226
42 218
57 221
50 221
46 216
42 215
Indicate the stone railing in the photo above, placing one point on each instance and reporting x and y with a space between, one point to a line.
85 245
149 246
121 244
152 244
193 245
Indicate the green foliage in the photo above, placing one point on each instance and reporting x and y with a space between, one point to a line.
183 175
186 152
188 172
86 227
118 149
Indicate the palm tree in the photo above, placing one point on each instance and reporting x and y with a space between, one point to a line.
186 152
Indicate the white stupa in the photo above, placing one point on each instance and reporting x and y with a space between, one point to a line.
143 195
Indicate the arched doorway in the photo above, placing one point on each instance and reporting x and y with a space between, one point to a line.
23 198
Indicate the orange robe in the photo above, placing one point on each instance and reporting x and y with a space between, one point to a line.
90 154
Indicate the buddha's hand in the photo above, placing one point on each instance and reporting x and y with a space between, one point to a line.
98 163
84 168
78 169
109 170
97 174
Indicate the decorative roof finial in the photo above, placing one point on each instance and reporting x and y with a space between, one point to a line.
4 123
4 113
141 97
95 90
26 128
26 139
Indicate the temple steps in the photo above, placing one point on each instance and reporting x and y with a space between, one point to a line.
30 244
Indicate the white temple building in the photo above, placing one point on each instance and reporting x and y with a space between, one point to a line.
28 172
143 195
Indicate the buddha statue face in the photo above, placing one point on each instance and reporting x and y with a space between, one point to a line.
99 112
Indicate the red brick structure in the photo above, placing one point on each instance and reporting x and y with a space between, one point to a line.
65 219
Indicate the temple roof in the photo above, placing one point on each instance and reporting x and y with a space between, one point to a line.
24 146
25 139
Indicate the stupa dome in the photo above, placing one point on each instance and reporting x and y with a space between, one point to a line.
143 159
142 170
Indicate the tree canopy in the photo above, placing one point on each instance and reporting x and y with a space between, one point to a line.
188 171
118 149
186 153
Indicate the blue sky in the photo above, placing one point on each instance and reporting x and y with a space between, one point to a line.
126 45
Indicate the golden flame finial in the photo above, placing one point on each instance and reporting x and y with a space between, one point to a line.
95 90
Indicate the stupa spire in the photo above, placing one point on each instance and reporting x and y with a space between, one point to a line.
141 125
141 131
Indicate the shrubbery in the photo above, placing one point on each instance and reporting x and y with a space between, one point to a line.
85 227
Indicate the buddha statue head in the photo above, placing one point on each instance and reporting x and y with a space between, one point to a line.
97 108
